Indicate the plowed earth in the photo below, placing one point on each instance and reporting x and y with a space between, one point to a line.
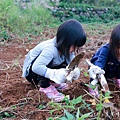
21 100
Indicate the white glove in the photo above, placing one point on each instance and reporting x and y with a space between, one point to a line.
56 75
94 82
94 70
73 75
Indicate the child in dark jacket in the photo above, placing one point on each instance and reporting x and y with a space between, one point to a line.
107 58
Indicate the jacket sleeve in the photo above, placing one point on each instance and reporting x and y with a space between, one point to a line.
100 57
40 64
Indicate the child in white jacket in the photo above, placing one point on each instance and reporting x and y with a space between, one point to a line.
46 63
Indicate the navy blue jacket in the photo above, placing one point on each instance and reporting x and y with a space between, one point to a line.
105 60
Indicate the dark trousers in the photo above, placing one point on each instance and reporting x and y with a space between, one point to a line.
36 79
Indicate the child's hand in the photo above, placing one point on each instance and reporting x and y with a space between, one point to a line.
94 70
57 75
73 75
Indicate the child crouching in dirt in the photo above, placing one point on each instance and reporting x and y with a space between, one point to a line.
46 63
107 58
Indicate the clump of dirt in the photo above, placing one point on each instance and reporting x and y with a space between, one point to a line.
24 101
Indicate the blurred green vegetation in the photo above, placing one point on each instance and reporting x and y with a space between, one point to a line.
100 11
23 19
94 2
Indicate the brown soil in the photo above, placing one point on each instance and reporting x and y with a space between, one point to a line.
17 92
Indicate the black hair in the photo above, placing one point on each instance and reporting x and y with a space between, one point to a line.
115 41
70 33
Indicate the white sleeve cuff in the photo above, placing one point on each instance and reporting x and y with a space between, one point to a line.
49 73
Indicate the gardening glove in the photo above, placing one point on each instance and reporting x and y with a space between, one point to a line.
73 75
94 71
57 75
94 82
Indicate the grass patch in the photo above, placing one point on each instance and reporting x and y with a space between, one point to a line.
23 19
99 29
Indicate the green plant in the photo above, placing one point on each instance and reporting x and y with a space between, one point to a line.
91 86
6 115
4 35
69 116
41 106
102 101
50 118
99 107
86 74
72 109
